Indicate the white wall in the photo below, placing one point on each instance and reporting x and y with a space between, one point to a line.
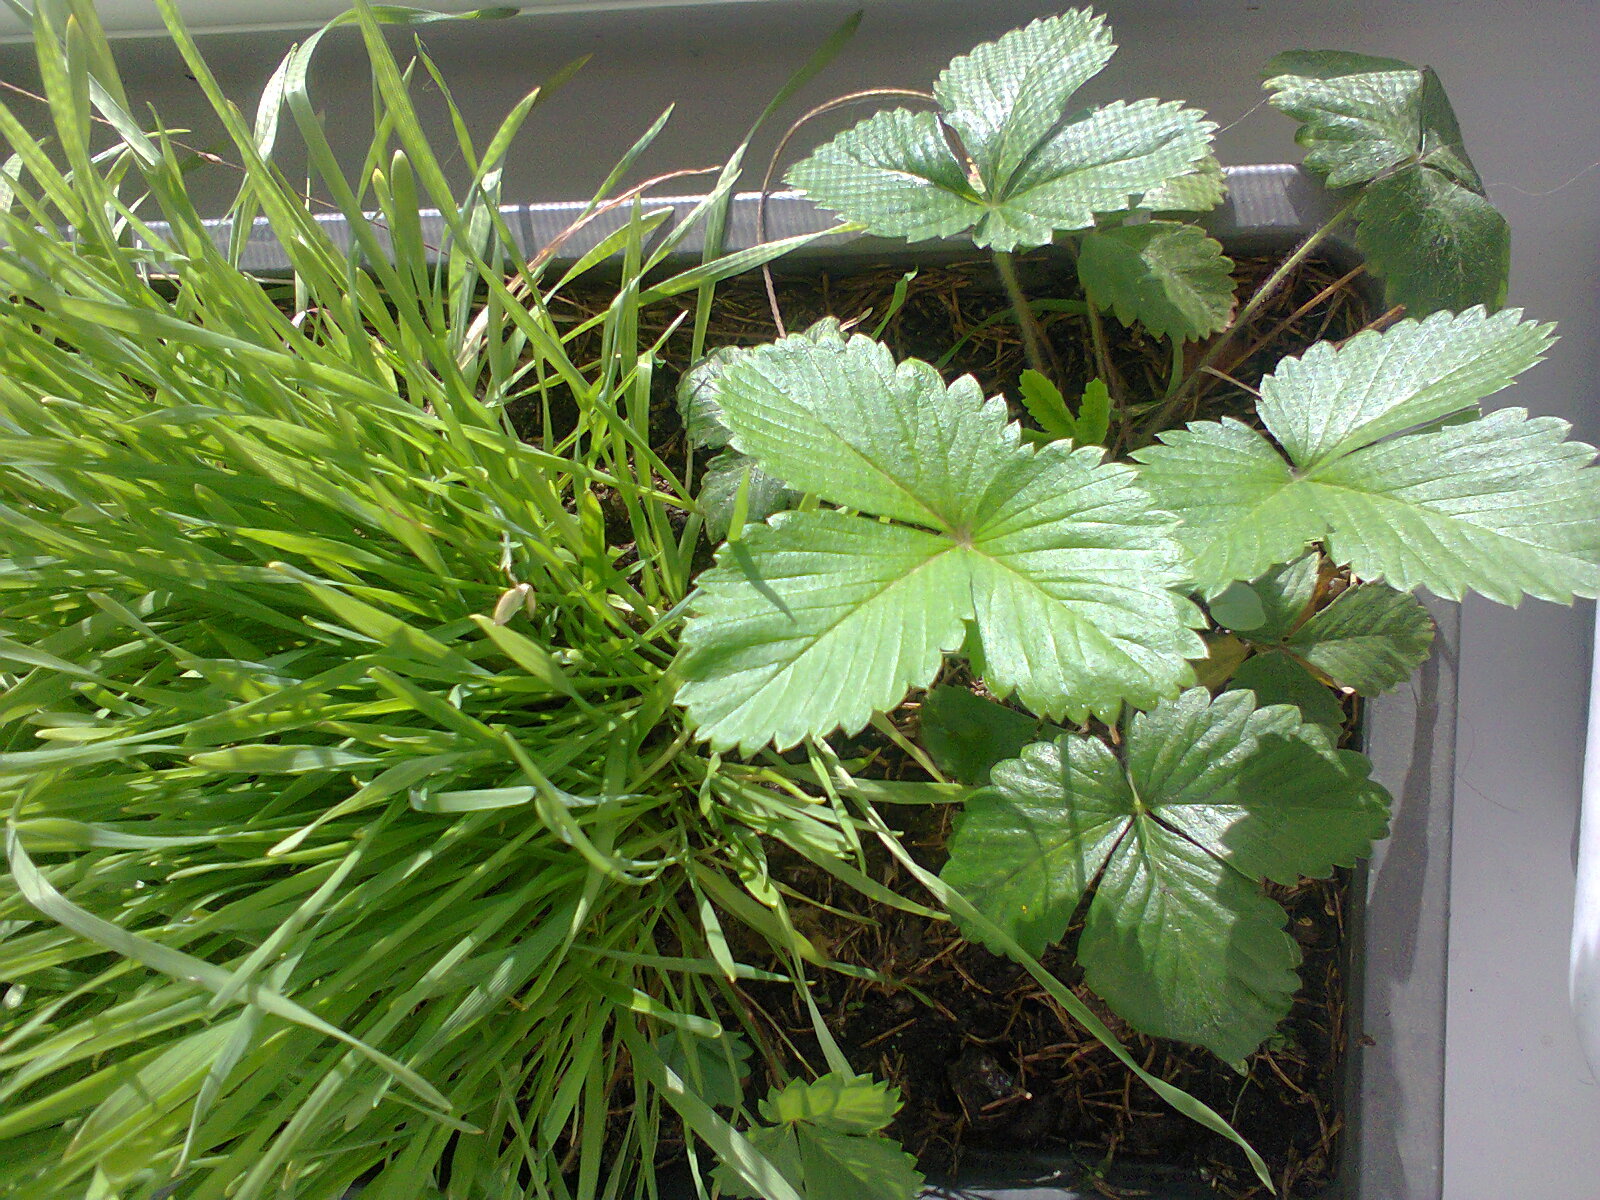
1523 1110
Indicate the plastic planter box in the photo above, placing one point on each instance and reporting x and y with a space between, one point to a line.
1393 1143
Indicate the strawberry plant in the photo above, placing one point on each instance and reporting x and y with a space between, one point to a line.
1269 559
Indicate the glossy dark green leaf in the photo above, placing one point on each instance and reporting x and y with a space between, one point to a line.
967 734
1210 797
1275 678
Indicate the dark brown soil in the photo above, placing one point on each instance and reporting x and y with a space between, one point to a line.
986 1061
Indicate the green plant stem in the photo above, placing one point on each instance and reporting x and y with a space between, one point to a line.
1265 292
1034 343
1102 352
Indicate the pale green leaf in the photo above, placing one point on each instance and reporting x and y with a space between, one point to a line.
818 620
1499 504
1331 399
1045 405
1037 166
1437 246
1056 557
1094 414
1184 947
1201 190
1070 574
699 389
842 1103
1166 276
1361 117
1275 678
1371 638
1008 95
825 1139
1206 790
1102 162
843 421
895 173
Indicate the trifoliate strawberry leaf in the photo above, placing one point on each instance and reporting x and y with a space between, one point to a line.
825 1139
1166 276
1207 789
1361 117
1036 165
1371 638
719 492
1007 96
821 619
1426 227
1275 678
1500 504
967 734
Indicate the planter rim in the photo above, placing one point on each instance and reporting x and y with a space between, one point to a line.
1265 205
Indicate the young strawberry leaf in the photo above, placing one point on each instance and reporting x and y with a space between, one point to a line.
1094 414
820 619
1045 404
1211 797
1426 227
826 1139
1036 166
1498 504
1167 276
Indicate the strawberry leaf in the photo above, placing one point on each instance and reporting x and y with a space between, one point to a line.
1371 638
825 1138
1211 797
820 619
1164 275
1426 227
1498 504
1036 165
